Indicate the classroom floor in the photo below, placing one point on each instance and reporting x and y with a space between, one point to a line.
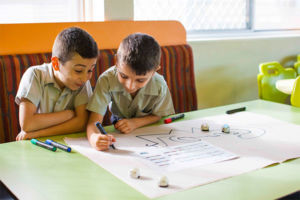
293 196
5 194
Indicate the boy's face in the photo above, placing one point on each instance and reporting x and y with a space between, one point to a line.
75 72
130 81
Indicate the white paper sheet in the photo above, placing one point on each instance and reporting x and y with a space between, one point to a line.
258 141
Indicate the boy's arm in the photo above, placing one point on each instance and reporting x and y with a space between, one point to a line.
76 124
97 140
32 121
128 125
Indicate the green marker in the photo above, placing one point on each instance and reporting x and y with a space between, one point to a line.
42 144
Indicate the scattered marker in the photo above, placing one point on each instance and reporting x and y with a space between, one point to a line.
236 110
58 145
42 144
172 119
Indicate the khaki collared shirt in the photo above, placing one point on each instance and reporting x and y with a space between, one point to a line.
39 86
153 99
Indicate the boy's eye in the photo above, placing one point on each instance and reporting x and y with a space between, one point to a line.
140 80
123 76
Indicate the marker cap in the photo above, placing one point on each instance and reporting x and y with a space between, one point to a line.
169 120
33 141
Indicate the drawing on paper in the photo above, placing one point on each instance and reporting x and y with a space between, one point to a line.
196 134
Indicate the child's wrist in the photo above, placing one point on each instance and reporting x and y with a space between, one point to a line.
93 138
33 134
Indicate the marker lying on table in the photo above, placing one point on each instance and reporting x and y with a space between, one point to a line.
101 129
235 110
42 144
169 120
58 145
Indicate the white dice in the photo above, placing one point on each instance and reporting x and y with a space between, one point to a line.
226 128
163 182
204 127
134 173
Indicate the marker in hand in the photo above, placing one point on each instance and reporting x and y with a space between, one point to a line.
101 129
169 120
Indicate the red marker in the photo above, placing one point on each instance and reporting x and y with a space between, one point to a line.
169 120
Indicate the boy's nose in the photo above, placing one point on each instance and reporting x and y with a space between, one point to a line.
85 77
130 85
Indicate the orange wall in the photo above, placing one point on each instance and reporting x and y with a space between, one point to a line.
39 37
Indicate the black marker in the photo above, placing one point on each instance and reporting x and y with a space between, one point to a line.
58 145
235 110
101 129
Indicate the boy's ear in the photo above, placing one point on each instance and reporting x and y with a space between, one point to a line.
116 60
157 68
55 65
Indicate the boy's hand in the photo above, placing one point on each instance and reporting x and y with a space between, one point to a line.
126 125
23 136
101 142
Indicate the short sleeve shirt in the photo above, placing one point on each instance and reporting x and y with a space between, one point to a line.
39 86
153 99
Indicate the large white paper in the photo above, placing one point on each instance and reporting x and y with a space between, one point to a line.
258 140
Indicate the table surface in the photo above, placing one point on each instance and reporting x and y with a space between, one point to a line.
31 172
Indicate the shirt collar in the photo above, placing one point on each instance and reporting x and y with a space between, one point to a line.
49 78
49 75
114 83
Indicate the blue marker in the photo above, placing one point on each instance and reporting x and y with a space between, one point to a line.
58 145
101 129
114 119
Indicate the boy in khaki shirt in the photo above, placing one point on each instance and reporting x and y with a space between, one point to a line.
52 97
135 93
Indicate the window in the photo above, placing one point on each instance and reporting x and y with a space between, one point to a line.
20 11
196 15
222 15
276 14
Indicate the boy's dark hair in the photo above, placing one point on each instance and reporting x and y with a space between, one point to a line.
139 51
74 40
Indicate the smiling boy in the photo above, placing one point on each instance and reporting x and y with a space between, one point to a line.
136 94
52 97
